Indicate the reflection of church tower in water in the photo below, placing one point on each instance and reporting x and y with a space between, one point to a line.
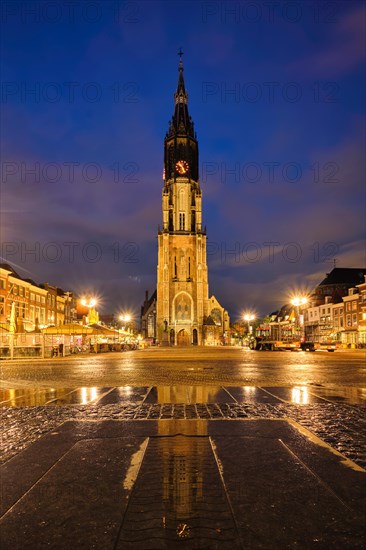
185 314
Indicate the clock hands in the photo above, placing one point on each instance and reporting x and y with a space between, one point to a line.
182 166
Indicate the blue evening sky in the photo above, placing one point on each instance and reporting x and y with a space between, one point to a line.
276 90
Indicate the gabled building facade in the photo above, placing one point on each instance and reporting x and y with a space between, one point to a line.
351 309
362 313
336 284
36 306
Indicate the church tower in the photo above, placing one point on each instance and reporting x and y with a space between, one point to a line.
182 284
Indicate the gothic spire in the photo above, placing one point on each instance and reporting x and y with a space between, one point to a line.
181 95
180 144
181 121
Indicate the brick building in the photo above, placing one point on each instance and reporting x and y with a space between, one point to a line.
36 306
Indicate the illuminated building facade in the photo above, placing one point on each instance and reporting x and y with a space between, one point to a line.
183 312
36 306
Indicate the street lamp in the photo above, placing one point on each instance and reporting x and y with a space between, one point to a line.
248 317
299 301
126 318
89 304
92 316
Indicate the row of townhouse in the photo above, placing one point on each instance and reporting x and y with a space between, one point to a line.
343 322
36 306
335 312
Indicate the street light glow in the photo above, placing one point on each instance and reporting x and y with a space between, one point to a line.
299 301
92 302
248 317
126 318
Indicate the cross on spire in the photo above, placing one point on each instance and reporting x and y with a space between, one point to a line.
180 95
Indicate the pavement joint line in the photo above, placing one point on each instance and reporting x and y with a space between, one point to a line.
319 479
232 397
321 397
322 443
97 399
2 403
58 398
116 543
275 396
147 394
219 467
37 482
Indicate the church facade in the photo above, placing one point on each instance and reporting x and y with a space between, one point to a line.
185 314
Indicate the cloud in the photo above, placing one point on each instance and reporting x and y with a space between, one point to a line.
342 54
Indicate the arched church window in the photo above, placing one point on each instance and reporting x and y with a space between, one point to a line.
182 220
183 310
182 200
216 316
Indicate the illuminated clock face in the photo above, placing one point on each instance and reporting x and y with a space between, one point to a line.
182 166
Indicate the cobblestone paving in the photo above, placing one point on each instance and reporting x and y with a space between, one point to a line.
341 426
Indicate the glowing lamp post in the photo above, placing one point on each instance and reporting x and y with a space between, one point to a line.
90 304
298 302
248 318
92 316
125 319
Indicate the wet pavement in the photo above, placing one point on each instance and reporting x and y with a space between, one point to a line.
300 395
341 426
193 366
189 435
181 484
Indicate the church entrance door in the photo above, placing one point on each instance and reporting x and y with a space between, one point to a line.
182 338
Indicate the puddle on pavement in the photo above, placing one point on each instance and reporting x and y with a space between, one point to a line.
299 395
305 395
36 397
33 397
251 394
130 394
350 396
188 395
178 494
